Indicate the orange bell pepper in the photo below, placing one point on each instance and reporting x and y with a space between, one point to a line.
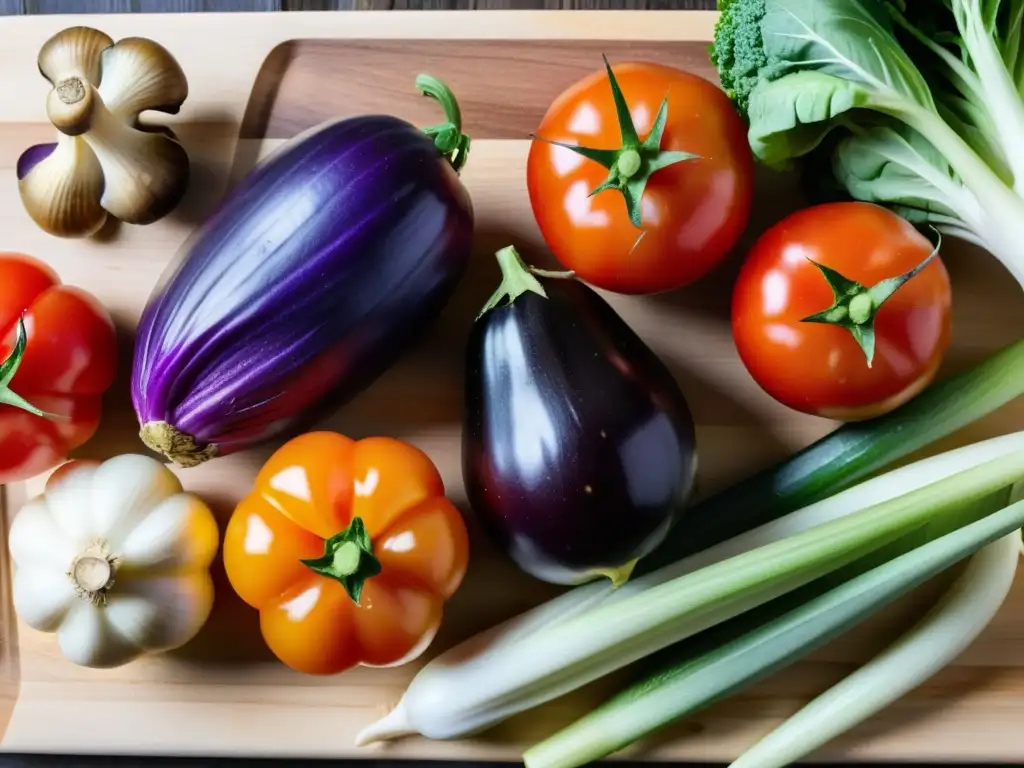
349 550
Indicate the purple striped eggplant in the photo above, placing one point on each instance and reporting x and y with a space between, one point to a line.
312 278
578 446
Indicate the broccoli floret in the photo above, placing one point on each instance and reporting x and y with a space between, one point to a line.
738 50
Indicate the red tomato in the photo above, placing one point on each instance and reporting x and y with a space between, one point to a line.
693 211
69 362
820 368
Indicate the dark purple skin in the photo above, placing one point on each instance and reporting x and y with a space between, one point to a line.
312 279
578 446
32 157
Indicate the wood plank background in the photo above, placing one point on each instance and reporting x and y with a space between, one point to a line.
11 7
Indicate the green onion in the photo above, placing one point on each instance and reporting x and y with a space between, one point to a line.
957 400
953 624
584 598
456 695
847 455
760 642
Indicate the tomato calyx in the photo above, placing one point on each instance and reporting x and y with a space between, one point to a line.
348 559
448 136
855 306
632 165
517 279
9 367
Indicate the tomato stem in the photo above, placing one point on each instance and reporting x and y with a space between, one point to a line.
628 163
9 367
861 308
348 558
854 306
516 279
448 136
630 166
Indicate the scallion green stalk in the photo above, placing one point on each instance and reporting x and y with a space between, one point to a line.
758 643
864 447
846 456
587 597
453 696
946 631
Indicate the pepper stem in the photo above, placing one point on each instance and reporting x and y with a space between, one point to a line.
630 166
854 307
348 558
448 136
516 279
9 367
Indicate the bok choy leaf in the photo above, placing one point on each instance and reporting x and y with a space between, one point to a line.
916 105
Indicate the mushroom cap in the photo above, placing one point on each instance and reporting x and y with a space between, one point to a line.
106 161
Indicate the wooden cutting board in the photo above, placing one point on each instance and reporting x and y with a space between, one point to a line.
257 80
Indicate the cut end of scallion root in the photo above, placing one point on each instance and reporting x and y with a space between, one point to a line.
392 726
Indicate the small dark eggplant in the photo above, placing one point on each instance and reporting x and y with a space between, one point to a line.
578 445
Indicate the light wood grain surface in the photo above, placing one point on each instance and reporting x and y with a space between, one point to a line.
223 694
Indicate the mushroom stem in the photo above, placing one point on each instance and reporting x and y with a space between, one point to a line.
71 91
70 106
146 173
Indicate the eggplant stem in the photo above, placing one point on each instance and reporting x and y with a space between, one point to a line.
516 279
448 136
618 575
564 274
181 448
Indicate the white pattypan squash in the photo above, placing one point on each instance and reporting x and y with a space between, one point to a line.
114 558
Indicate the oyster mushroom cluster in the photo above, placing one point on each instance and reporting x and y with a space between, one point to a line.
105 161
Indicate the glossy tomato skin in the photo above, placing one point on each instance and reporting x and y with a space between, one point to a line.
309 490
820 369
693 211
70 361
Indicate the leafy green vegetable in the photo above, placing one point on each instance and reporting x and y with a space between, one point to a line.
925 97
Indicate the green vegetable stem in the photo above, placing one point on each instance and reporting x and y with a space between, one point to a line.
448 136
920 103
348 558
9 367
854 306
630 166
